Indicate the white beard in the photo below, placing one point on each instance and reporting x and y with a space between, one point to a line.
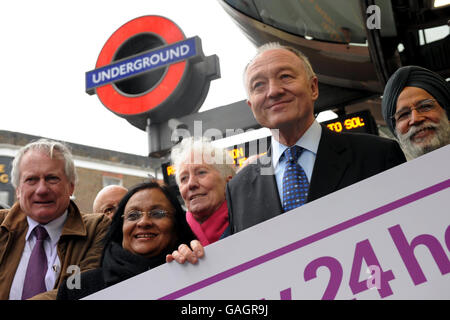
439 139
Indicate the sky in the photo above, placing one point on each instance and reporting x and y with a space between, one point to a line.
48 45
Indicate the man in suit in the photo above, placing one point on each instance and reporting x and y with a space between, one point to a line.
282 89
416 108
43 237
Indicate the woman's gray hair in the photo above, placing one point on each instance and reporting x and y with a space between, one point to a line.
275 45
194 150
51 148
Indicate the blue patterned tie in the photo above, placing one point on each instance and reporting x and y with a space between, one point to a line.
295 182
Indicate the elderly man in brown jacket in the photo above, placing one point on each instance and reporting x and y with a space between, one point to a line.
44 238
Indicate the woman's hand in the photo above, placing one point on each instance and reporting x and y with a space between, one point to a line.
186 253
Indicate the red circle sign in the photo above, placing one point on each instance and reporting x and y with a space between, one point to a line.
170 33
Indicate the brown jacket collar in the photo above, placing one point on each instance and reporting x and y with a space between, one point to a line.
16 219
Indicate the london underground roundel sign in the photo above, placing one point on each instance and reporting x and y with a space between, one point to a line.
148 69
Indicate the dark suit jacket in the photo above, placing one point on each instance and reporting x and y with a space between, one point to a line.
342 159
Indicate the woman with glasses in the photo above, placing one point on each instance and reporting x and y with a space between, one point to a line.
148 225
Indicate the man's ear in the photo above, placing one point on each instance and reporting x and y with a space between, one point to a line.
18 193
314 88
249 103
71 188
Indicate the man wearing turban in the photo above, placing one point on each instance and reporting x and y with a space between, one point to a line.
416 108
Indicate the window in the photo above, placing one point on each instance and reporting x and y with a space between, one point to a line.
338 21
109 180
4 199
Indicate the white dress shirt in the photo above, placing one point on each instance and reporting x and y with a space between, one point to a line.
308 141
54 230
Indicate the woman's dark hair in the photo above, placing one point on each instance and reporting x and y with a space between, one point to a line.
182 229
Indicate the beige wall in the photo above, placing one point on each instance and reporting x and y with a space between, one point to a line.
90 182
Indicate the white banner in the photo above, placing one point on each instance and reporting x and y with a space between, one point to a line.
385 237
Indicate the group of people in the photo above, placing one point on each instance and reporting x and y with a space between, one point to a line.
282 88
44 233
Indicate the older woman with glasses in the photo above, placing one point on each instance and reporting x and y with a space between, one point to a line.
148 225
416 108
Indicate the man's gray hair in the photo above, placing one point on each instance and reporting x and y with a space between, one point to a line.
275 45
194 150
53 149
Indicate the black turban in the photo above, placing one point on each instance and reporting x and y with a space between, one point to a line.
413 76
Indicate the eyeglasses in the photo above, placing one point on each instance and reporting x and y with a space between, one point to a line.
422 107
136 215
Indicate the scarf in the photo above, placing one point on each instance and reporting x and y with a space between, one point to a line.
212 228
120 264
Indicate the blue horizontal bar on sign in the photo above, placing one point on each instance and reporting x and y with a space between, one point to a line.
140 63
